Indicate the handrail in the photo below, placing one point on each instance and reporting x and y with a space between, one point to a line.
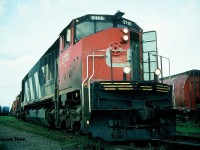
89 102
82 103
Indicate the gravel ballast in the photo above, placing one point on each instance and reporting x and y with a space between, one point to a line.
13 139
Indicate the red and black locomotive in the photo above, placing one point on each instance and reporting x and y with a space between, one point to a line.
100 76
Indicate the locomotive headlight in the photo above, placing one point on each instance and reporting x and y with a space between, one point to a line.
125 37
157 71
125 30
88 122
127 69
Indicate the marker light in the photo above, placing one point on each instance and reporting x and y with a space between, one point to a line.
125 30
125 37
157 71
127 69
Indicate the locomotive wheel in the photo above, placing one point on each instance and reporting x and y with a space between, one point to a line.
116 48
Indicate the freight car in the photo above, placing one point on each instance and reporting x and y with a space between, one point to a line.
15 109
0 110
101 77
5 111
186 94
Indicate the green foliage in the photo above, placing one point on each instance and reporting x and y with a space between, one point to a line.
189 128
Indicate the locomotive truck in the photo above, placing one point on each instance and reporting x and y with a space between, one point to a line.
100 76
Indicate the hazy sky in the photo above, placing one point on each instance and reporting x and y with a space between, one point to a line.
29 27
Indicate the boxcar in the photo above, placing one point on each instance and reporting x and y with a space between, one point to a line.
5 110
186 93
0 110
15 109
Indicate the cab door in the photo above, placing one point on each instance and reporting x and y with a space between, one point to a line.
149 52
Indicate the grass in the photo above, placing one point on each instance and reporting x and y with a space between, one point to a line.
66 140
188 128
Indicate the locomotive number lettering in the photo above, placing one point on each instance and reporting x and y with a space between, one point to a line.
129 23
97 17
117 60
65 58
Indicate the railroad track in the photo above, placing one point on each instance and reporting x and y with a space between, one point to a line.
125 147
194 135
193 139
177 144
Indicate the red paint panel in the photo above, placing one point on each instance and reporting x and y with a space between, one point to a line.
102 41
70 67
73 59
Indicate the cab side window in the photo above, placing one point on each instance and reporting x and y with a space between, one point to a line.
65 39
68 37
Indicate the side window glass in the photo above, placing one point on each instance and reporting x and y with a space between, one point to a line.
150 62
65 39
68 37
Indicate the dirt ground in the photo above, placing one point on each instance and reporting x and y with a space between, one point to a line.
12 139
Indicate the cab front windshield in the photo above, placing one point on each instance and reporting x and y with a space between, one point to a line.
86 28
88 25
